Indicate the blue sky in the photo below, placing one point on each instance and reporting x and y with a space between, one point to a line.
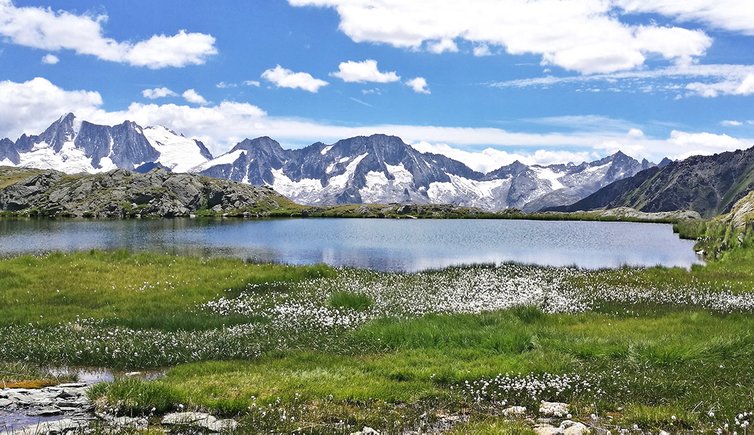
487 83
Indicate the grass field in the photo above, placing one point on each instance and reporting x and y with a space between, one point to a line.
284 348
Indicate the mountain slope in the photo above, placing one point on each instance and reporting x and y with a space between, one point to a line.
384 169
72 146
710 185
374 169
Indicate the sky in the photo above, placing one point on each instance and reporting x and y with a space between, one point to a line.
486 82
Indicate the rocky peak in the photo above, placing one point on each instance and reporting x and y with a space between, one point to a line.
60 132
664 162
8 151
510 170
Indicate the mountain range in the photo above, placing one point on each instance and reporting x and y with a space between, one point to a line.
373 169
710 185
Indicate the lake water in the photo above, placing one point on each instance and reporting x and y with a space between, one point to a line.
381 244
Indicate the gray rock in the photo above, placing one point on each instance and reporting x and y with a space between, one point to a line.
546 429
45 412
515 411
199 419
573 428
53 427
366 430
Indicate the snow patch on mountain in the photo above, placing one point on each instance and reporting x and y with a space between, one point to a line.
341 181
550 176
177 152
69 159
304 191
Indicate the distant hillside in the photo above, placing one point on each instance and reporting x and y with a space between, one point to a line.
709 185
121 193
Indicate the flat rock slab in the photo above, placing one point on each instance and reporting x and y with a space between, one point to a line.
567 427
51 428
199 419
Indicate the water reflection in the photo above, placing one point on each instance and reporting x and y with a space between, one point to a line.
405 245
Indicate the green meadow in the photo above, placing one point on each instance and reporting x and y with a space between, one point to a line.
322 350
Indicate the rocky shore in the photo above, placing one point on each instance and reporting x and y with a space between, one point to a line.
66 409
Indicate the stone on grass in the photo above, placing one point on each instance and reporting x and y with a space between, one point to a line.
546 429
515 411
199 419
569 427
366 431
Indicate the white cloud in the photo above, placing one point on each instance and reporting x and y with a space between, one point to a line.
720 79
733 15
443 45
731 123
31 106
285 78
46 29
490 159
364 72
482 50
419 85
50 59
253 83
635 132
193 97
156 93
587 36
743 86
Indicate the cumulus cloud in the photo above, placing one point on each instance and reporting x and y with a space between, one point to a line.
46 29
443 45
482 50
193 97
364 72
31 106
50 59
419 85
156 93
587 36
285 78
732 15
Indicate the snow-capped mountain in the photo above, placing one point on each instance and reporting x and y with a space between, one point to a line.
374 169
72 145
383 169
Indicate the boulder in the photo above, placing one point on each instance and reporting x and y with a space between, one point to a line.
200 420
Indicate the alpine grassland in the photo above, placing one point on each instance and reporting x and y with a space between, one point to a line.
314 349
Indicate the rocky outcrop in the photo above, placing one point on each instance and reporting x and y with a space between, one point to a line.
121 193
